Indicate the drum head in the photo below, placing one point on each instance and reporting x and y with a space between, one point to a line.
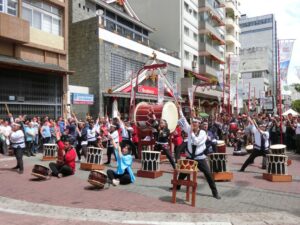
136 109
170 114
278 146
99 171
249 147
220 142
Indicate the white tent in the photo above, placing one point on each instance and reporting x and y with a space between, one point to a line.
293 112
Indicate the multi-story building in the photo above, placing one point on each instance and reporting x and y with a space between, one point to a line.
33 57
259 53
109 43
196 30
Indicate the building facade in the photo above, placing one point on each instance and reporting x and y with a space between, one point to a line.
259 53
109 44
33 57
196 30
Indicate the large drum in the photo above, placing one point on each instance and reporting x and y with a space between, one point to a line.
278 149
277 164
217 162
50 150
233 127
221 146
168 112
249 149
97 178
94 155
150 161
186 165
41 171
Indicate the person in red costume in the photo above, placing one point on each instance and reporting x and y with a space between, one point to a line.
65 165
178 143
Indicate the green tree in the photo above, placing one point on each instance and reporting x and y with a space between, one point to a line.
296 105
297 87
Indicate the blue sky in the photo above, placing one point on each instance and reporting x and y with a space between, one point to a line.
288 23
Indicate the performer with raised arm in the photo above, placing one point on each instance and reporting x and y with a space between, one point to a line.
261 143
124 173
161 135
196 148
65 165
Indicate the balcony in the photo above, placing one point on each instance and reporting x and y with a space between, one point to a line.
230 4
207 49
213 9
206 27
230 39
230 23
14 29
208 70
134 35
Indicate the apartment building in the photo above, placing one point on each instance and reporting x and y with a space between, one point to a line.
259 38
33 57
109 43
196 29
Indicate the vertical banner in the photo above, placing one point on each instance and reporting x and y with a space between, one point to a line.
220 79
191 96
234 67
240 93
132 89
262 96
160 88
175 91
285 54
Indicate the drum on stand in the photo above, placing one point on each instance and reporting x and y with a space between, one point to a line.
249 149
277 168
93 159
50 152
186 165
168 111
218 167
221 146
41 172
97 178
150 165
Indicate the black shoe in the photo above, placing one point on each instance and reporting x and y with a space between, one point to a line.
15 168
241 170
21 171
32 154
217 196
177 188
107 163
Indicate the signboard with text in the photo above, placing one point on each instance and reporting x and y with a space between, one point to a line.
82 99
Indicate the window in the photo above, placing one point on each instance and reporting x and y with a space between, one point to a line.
9 7
186 55
42 16
195 14
186 31
186 7
195 37
257 74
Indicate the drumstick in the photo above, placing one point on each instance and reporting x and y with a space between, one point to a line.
7 109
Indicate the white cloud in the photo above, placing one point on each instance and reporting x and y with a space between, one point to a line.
288 23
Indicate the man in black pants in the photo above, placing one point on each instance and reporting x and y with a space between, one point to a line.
261 144
195 151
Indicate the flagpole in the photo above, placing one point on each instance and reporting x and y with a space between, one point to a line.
229 85
236 97
223 95
249 97
279 90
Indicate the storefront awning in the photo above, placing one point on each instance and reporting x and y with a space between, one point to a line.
13 63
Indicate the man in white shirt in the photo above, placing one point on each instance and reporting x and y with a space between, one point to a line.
5 130
17 140
195 150
261 143
297 131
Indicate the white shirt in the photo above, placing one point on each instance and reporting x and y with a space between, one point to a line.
257 137
199 140
17 139
91 134
298 128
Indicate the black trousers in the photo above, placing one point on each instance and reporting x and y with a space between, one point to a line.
19 157
159 147
253 155
124 178
178 150
133 147
60 168
29 148
110 151
204 168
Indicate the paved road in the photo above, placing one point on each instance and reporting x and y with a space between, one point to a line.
248 199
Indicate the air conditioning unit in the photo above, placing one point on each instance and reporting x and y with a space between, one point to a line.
194 64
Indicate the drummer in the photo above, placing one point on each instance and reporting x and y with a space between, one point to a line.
195 151
261 143
65 165
161 135
124 173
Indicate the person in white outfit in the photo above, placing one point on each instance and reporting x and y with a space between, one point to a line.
17 141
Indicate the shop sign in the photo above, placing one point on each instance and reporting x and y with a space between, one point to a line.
82 99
